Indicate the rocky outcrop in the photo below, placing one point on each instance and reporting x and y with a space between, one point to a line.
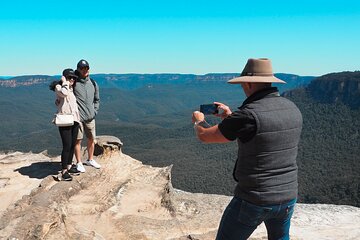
128 200
105 144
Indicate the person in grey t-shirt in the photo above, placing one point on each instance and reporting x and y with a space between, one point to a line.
267 128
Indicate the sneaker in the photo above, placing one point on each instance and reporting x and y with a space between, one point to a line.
73 171
93 163
66 176
80 167
57 177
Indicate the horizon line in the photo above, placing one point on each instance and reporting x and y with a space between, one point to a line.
161 73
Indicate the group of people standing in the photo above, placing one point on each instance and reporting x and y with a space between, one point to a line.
77 94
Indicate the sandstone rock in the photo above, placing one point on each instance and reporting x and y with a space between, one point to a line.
107 143
128 200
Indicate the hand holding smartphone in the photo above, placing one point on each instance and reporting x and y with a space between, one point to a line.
209 109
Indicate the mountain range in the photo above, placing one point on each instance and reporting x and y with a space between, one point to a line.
135 81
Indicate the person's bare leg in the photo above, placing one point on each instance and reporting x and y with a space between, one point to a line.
90 148
78 150
79 164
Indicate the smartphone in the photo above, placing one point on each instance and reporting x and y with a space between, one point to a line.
209 109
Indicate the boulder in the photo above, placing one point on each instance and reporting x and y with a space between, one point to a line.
105 144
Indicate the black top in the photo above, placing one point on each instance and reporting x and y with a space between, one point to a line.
241 124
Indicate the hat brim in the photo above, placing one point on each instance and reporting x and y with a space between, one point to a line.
255 79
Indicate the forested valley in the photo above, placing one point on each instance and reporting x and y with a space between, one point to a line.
154 123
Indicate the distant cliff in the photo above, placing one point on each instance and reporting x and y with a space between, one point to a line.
329 149
29 80
341 87
128 200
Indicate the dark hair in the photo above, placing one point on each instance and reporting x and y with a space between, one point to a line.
53 84
56 82
74 84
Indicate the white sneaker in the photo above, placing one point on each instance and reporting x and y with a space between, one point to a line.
80 167
93 163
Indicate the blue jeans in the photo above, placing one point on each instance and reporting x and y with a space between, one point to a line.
241 218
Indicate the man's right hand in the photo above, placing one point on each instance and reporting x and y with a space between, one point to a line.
226 110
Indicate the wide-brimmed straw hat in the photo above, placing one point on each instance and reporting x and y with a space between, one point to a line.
257 71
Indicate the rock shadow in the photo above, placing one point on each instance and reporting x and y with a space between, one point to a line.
40 170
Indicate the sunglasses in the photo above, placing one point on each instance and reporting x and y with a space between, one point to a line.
84 68
70 78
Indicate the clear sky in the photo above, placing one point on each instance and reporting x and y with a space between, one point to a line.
301 37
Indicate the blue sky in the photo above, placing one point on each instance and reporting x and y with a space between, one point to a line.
303 37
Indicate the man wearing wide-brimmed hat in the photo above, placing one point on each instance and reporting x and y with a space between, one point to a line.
267 128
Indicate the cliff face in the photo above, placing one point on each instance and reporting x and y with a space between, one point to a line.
337 87
26 81
128 200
